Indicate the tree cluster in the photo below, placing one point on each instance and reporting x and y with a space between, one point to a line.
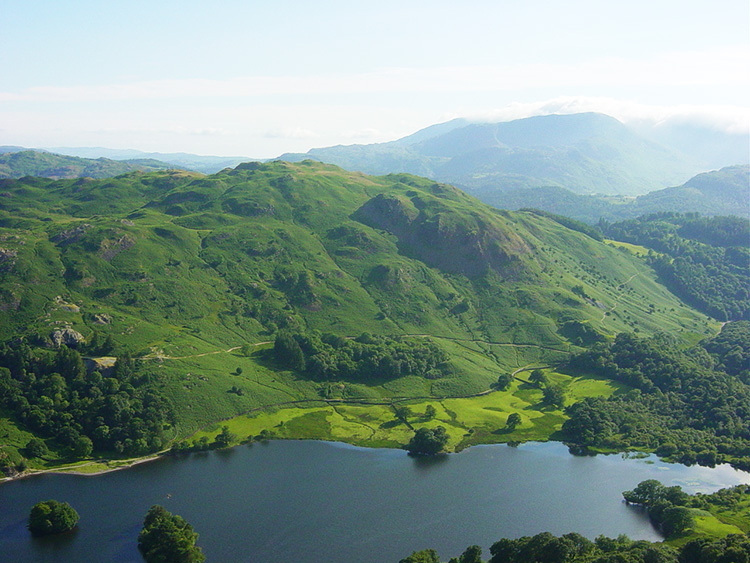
52 517
683 406
168 537
667 506
54 396
428 441
327 357
704 260
574 548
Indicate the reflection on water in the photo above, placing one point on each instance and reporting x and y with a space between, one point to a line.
307 501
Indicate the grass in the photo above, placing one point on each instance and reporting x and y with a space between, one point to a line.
706 525
635 249
468 421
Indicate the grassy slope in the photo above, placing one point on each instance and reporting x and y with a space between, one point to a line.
190 267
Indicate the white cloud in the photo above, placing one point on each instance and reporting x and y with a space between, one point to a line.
729 118
716 68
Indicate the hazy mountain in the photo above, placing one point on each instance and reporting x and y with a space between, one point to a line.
721 192
10 148
56 166
204 164
585 153
707 146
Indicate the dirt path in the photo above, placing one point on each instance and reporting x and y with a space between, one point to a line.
617 299
157 356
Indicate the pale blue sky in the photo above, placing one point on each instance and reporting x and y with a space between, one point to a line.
261 78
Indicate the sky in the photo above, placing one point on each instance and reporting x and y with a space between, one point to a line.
257 79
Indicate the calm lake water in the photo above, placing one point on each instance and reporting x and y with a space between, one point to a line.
306 501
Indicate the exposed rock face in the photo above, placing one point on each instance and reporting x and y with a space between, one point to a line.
111 248
469 244
70 236
67 336
102 319
7 259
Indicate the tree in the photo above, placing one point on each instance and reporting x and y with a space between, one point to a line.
287 351
430 412
554 396
645 493
514 419
168 538
52 517
503 381
36 447
225 437
472 554
82 446
537 377
423 556
427 441
675 520
403 413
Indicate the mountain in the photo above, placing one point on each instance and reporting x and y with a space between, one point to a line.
585 153
707 146
391 287
56 166
720 192
187 161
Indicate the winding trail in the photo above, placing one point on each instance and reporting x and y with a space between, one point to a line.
617 300
157 356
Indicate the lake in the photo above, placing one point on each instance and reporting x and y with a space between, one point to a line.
307 501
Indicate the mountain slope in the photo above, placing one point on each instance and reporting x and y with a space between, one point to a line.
56 166
585 153
197 275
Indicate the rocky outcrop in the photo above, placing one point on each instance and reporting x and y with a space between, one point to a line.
70 236
67 336
102 319
111 248
7 259
469 244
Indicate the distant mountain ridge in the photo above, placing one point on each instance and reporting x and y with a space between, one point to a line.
586 153
719 192
187 161
57 167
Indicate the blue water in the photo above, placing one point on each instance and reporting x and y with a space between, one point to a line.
306 501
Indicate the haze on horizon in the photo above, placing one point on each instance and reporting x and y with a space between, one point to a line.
260 79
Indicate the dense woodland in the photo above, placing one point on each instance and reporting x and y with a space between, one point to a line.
686 404
574 548
51 393
704 260
327 357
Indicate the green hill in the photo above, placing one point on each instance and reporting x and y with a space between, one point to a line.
57 166
195 277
